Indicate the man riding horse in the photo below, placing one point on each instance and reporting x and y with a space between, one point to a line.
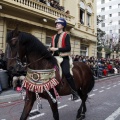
61 47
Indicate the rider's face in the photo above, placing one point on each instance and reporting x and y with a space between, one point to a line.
59 26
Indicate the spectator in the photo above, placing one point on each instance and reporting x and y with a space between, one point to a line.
52 3
48 2
67 12
18 75
43 1
76 58
109 66
2 62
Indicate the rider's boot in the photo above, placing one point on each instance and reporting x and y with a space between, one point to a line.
73 88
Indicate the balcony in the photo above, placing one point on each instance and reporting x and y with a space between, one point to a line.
34 10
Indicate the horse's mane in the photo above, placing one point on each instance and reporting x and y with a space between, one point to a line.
33 44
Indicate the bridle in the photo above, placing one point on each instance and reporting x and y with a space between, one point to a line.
17 58
10 51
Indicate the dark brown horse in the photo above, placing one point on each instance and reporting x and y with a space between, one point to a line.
39 58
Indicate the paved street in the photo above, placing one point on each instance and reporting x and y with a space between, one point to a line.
103 104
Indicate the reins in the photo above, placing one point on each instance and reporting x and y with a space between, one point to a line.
35 61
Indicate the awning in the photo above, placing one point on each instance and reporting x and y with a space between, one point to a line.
82 5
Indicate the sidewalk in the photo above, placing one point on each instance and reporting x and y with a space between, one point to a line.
11 95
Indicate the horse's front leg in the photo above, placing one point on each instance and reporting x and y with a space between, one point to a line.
29 101
54 107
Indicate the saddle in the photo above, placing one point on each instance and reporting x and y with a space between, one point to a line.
60 60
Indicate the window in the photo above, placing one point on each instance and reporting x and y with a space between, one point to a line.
88 19
84 50
118 13
119 22
82 15
102 1
103 24
102 9
118 5
119 30
89 12
110 31
82 12
110 15
110 22
110 7
103 17
48 40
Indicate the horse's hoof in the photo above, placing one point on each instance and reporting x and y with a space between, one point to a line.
82 116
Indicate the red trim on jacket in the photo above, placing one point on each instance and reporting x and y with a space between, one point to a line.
63 40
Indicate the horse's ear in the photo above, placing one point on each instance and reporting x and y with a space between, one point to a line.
16 32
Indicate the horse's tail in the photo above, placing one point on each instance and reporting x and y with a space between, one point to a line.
92 83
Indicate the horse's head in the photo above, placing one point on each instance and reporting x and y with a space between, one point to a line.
14 52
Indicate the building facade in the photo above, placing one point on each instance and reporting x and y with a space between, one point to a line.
38 19
109 10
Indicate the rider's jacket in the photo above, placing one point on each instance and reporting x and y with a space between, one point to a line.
62 41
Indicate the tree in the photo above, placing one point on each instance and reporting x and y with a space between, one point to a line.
100 34
117 47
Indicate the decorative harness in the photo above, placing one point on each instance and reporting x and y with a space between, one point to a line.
40 80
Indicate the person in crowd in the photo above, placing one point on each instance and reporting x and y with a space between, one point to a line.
48 2
18 75
61 47
52 3
76 58
2 62
67 12
43 1
109 66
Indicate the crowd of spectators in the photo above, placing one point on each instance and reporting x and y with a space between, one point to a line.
100 67
53 4
14 74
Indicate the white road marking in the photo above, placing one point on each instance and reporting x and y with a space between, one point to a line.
108 88
119 84
103 87
91 95
95 90
101 91
62 106
33 110
78 100
59 102
3 119
114 85
36 116
114 115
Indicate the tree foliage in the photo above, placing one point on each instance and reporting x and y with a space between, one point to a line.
100 33
117 47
